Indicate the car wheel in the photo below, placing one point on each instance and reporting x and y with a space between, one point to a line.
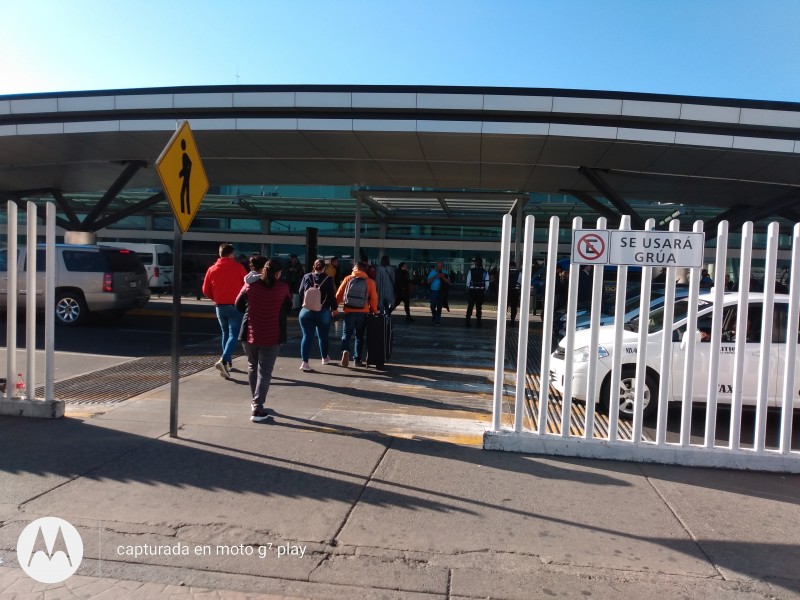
627 394
71 309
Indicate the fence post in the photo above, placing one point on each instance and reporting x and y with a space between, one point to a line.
500 340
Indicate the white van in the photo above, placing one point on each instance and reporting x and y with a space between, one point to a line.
157 260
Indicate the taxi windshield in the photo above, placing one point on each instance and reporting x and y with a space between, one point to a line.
656 319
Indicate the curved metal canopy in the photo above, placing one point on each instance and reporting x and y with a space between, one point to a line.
601 147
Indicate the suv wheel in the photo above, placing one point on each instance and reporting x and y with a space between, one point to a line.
71 308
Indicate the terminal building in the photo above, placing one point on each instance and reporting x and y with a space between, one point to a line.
417 173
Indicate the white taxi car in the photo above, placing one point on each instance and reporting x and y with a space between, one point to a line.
654 379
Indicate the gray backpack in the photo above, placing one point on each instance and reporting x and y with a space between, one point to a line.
355 292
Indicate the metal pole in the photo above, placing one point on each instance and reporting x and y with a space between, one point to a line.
11 302
30 303
177 253
357 238
500 343
524 322
50 303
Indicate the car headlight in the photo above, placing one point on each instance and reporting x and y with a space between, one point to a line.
582 354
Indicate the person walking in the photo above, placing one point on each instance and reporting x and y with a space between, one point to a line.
265 301
385 284
222 283
435 279
319 306
294 273
513 289
332 270
403 289
359 297
477 284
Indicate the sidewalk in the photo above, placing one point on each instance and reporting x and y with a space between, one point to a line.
374 485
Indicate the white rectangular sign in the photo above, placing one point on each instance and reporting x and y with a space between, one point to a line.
638 248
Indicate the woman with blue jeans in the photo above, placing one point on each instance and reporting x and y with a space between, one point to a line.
314 321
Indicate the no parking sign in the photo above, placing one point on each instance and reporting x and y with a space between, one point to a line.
589 246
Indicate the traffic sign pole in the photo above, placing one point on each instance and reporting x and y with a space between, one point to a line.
184 180
177 276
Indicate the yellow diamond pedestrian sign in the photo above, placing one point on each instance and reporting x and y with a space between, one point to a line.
182 176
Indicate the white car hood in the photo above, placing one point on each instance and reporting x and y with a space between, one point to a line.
605 337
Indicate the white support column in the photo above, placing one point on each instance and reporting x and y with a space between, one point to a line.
500 340
50 303
30 302
11 302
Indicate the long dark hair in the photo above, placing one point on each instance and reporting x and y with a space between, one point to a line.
271 269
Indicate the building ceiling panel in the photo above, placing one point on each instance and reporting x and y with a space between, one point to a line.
784 169
738 164
406 173
630 156
456 175
391 145
364 172
682 160
457 147
504 176
281 144
555 179
573 152
521 150
337 144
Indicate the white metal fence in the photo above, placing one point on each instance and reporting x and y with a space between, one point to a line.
750 378
29 373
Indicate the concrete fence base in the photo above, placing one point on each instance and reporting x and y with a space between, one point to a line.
37 409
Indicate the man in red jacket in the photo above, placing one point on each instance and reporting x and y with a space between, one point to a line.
223 282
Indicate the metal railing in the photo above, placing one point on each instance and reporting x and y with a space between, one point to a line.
700 382
29 374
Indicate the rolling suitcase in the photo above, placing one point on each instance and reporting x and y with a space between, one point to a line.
379 340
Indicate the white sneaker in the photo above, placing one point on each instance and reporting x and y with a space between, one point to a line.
326 361
304 366
223 369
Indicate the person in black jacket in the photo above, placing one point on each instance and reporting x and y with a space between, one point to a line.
403 289
317 321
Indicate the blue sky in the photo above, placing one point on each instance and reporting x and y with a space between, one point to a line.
720 48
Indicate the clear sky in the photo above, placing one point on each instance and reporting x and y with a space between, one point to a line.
719 48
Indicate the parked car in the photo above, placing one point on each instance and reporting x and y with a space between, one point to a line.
674 380
157 261
631 310
88 279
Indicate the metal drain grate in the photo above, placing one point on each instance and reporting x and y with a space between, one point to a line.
122 382
555 401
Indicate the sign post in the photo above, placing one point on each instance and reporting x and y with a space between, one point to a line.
185 184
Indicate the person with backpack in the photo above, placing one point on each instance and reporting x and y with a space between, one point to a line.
477 284
359 297
319 306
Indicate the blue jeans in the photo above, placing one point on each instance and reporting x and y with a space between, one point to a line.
436 306
230 321
311 322
355 326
